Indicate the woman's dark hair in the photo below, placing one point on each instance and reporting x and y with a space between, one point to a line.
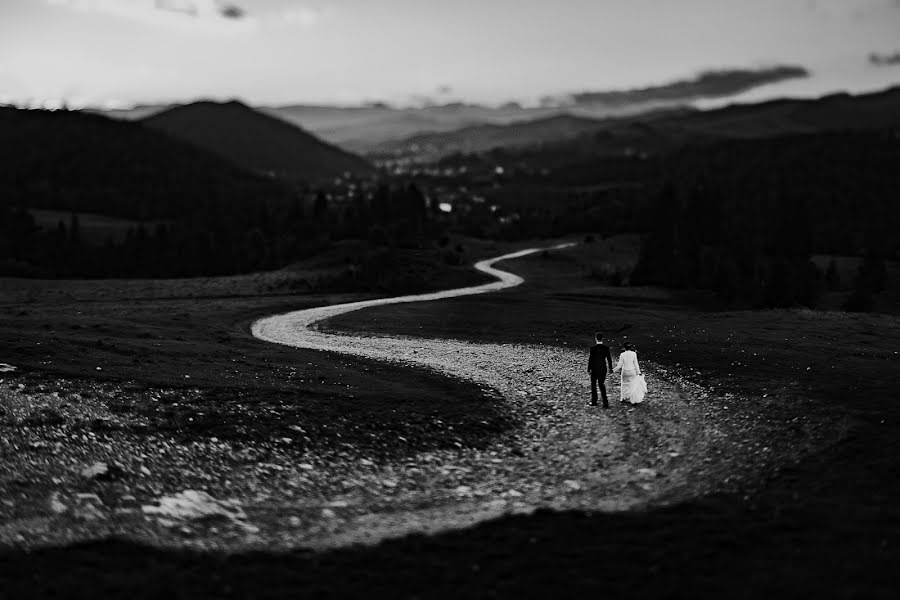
627 345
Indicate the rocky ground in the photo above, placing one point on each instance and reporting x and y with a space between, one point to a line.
78 465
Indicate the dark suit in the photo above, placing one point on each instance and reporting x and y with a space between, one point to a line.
598 361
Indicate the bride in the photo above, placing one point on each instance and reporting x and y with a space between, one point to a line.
633 385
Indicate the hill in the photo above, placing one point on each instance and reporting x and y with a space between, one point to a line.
257 142
659 131
837 112
482 138
84 195
74 161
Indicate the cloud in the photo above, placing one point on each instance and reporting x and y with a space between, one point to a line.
211 16
231 11
302 15
884 60
708 84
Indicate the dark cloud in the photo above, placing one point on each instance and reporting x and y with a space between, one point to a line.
202 8
884 60
708 84
230 11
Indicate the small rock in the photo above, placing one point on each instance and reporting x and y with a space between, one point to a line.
193 505
648 473
56 504
99 471
572 484
87 507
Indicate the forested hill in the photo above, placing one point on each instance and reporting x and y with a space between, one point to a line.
80 162
744 217
190 211
165 208
257 142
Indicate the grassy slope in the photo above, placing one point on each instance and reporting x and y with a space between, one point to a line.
827 528
194 334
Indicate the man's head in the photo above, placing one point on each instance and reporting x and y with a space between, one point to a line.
599 337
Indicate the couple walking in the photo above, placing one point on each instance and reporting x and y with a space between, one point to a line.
633 387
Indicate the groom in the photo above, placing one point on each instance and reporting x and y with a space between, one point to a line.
597 363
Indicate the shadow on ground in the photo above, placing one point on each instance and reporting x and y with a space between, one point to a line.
826 529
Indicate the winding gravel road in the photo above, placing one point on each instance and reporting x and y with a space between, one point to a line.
566 455
93 471
293 329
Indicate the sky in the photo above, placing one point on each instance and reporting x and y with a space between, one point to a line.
122 52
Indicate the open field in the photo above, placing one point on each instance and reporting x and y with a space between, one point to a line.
192 337
826 526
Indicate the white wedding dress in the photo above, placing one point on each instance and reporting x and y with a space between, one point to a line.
633 384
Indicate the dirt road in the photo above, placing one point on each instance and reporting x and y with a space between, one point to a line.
563 455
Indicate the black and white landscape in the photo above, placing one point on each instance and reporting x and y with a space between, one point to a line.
279 320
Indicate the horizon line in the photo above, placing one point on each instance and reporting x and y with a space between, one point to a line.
53 104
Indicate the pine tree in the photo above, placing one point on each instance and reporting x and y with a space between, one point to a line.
320 206
832 277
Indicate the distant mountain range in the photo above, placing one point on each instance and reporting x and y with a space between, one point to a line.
482 138
651 118
256 141
656 130
368 128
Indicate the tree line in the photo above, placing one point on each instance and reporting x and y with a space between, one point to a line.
217 239
744 217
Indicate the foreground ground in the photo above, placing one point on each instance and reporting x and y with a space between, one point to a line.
827 525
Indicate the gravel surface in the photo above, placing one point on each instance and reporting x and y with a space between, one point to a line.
123 478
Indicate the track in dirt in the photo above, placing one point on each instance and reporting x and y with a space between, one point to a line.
292 328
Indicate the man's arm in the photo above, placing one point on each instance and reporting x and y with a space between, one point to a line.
609 359
590 356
